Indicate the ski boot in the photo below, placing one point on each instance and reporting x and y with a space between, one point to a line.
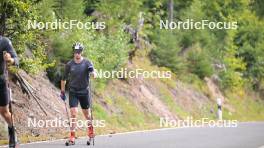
71 140
90 134
13 140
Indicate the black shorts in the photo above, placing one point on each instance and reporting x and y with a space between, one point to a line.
79 96
4 99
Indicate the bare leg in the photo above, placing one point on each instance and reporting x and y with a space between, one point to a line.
4 111
74 111
87 113
90 131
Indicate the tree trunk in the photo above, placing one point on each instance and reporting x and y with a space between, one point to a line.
170 9
2 18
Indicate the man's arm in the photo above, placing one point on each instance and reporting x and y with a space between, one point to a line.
91 70
10 56
62 95
64 77
63 83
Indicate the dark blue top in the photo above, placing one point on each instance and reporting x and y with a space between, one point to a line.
78 74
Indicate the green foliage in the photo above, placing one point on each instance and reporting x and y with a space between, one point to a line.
99 112
257 6
165 53
231 80
240 51
38 61
199 64
69 9
109 52
120 11
232 75
106 52
250 41
246 108
30 49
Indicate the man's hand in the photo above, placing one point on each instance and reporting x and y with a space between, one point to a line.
63 96
8 58
93 74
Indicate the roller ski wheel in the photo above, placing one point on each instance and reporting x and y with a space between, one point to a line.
69 143
13 141
90 141
91 135
16 145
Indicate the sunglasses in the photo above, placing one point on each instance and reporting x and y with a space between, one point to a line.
77 52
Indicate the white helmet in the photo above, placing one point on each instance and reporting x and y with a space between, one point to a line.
77 46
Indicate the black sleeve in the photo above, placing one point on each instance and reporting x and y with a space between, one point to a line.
9 48
90 66
66 71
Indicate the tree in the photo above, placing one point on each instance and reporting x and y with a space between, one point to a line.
14 18
170 10
257 6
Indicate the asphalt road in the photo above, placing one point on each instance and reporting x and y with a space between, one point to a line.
246 135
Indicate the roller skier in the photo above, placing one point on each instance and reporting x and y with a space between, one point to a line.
77 73
8 56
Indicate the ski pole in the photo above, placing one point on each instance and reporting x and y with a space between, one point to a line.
67 112
90 95
91 107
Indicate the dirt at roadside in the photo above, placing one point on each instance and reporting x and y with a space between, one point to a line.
27 110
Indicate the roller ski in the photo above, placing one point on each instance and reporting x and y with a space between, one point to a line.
13 141
91 135
71 140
